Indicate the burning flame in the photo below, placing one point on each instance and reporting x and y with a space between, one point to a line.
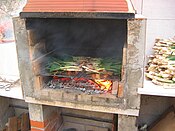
101 84
104 84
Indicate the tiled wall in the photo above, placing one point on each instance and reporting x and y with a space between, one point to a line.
160 19
8 61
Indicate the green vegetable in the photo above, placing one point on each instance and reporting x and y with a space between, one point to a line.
72 63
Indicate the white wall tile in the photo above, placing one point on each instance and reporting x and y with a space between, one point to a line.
158 28
159 9
8 60
137 5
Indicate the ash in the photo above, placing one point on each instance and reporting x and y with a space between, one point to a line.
83 86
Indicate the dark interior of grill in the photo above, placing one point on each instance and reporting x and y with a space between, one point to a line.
83 46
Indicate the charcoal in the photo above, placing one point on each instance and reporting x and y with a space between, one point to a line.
84 86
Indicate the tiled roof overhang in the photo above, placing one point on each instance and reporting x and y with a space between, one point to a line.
78 9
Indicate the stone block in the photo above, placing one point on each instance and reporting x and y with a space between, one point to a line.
85 98
56 95
100 100
135 78
136 41
127 123
69 96
36 112
25 65
133 101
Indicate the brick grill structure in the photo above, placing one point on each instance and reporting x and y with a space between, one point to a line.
126 103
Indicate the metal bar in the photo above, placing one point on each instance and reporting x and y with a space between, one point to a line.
96 15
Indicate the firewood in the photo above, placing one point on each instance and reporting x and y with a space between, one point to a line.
12 124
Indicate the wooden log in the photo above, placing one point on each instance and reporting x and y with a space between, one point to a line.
12 124
19 124
25 123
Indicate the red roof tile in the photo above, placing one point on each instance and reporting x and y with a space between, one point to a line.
77 6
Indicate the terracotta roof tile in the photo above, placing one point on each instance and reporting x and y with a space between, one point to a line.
76 6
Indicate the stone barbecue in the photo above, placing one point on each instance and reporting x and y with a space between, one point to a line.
88 58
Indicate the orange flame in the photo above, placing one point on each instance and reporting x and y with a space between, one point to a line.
104 84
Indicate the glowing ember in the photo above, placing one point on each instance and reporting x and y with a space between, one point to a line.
104 84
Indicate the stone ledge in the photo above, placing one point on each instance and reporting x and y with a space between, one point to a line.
131 112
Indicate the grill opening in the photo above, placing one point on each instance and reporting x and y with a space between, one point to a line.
79 55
